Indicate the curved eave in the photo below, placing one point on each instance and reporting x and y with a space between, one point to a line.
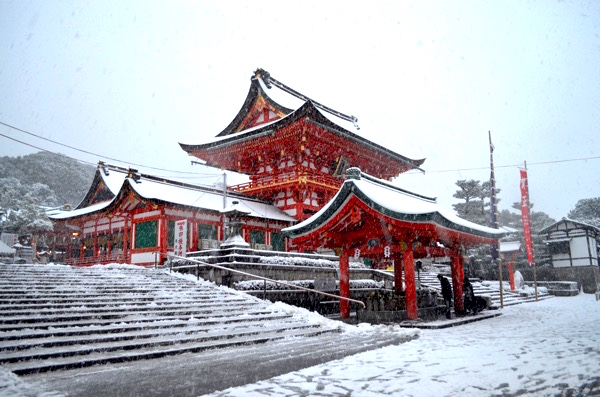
434 218
314 116
324 122
253 94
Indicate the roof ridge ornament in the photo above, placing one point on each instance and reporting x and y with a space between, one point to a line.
270 81
353 173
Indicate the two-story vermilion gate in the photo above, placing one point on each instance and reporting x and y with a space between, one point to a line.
294 158
374 219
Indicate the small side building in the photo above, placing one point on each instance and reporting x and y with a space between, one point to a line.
573 248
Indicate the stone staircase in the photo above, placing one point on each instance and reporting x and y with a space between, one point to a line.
55 317
429 280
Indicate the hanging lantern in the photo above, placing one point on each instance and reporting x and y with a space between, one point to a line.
387 251
356 253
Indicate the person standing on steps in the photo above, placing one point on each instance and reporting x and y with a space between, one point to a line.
469 297
446 293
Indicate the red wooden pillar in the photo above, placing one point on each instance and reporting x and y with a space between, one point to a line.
511 276
126 248
110 233
411 285
95 251
344 284
164 238
398 273
458 275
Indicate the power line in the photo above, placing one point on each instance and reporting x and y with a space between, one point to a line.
46 150
87 152
214 175
507 166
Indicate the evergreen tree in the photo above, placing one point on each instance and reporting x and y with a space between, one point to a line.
477 201
587 211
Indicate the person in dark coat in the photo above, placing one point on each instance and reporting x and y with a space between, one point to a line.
469 296
446 293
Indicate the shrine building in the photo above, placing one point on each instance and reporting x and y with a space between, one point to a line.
304 165
295 159
370 218
129 217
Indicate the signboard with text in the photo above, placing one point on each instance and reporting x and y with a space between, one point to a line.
180 237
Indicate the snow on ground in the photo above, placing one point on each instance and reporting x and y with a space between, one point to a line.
544 348
12 386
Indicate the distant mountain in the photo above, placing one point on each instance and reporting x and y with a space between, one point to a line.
68 179
40 179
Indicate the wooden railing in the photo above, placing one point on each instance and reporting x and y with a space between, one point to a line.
268 182
92 260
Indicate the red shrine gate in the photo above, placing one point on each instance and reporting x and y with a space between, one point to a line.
295 159
371 218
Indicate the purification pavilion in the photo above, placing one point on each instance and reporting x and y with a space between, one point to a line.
371 218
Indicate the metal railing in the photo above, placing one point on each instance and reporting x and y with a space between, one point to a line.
204 264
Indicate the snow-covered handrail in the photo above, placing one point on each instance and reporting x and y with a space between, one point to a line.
198 263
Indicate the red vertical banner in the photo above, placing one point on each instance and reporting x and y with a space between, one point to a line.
525 215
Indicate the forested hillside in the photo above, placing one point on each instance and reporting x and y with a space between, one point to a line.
40 179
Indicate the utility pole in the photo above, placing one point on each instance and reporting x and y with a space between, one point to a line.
494 222
224 189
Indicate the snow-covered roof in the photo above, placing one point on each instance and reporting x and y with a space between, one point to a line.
195 196
80 211
394 202
509 246
297 109
5 249
570 224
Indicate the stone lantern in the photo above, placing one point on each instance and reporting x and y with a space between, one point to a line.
235 212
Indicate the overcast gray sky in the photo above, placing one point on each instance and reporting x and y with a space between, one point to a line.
129 80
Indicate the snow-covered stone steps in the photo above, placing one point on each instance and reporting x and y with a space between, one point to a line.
84 314
216 318
12 314
85 356
147 313
429 279
32 297
18 339
13 351
23 334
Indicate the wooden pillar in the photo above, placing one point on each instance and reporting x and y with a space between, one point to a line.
344 283
411 285
95 251
126 249
398 273
458 275
164 238
511 276
110 237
